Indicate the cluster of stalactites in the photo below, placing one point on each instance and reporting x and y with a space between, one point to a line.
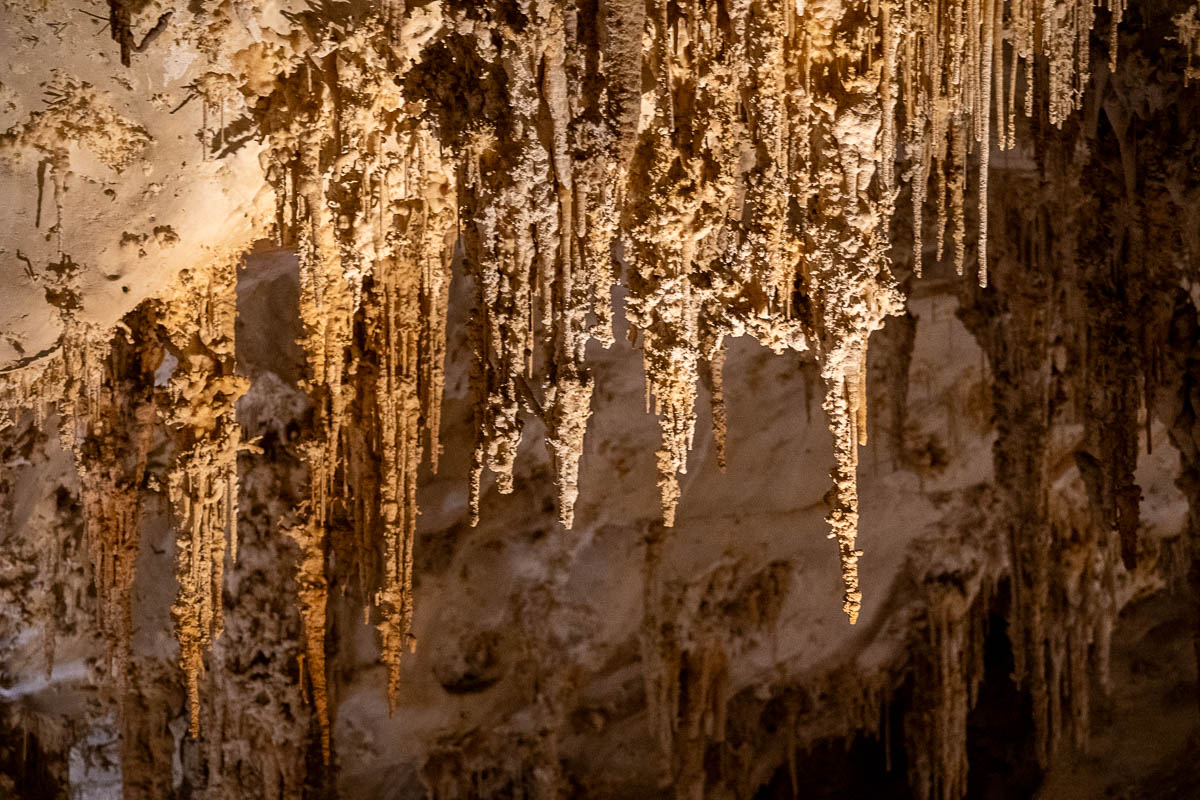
752 187
203 481
405 313
538 246
299 172
961 67
110 407
366 196
101 384
108 415
755 111
713 252
1064 561
947 674
711 255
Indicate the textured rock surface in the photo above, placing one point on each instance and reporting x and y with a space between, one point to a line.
454 399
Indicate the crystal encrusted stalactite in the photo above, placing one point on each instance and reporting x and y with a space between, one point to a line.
541 188
845 262
510 229
575 286
712 252
680 190
203 482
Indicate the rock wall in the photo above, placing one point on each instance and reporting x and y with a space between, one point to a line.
325 472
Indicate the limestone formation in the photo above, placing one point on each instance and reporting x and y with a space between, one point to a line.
696 173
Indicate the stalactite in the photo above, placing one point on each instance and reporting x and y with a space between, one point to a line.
404 318
674 208
714 379
1187 33
368 196
313 589
947 676
688 636
110 426
203 483
307 164
846 266
512 224
581 279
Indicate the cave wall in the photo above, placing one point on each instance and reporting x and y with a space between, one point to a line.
331 468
